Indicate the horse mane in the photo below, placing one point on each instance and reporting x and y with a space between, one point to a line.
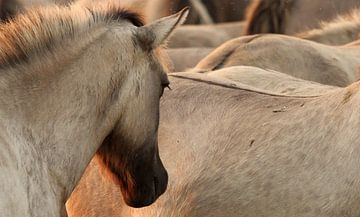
38 30
267 16
347 26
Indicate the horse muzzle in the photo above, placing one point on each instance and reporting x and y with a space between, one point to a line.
147 185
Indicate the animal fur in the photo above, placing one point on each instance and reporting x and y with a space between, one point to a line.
33 32
267 16
70 80
293 16
342 30
253 154
297 57
220 11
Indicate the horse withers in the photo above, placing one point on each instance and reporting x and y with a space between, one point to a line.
73 80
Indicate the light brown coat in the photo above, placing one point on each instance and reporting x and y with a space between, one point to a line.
238 152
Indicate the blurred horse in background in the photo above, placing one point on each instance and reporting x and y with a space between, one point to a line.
293 16
218 11
331 65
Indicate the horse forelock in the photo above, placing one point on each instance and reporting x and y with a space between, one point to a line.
38 30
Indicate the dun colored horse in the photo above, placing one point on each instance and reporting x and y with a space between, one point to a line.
76 82
253 153
331 65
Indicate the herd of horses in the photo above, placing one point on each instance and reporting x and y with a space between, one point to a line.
105 113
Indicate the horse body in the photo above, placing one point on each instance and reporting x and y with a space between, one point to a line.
310 61
272 81
254 154
63 97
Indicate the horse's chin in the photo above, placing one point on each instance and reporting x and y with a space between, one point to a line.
138 202
145 195
141 175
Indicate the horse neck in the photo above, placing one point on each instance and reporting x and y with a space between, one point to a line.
56 118
345 57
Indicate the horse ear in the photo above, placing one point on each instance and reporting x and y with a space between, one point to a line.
156 33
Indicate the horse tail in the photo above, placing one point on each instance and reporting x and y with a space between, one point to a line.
267 16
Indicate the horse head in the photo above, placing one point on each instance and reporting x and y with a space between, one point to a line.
130 152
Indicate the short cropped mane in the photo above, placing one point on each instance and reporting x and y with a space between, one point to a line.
347 25
38 30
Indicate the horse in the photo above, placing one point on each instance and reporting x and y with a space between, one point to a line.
292 16
253 153
330 65
77 82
